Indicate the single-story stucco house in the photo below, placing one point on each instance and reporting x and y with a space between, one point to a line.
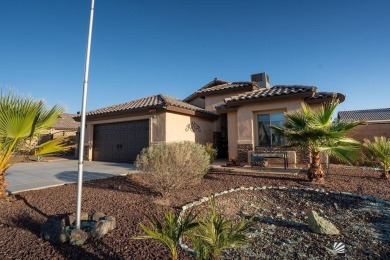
375 122
233 116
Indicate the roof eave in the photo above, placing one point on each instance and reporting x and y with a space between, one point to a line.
272 98
335 96
123 113
194 95
180 110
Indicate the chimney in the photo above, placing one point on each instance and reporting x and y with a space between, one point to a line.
261 79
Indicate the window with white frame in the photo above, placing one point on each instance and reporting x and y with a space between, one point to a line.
266 136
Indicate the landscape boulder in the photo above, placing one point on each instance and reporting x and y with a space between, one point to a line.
101 228
53 230
320 225
98 216
78 237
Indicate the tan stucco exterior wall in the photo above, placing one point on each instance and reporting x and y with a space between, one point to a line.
177 129
212 101
199 102
158 128
232 134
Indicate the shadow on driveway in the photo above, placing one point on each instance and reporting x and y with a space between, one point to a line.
29 176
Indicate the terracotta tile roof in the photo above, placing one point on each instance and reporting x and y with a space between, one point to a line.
178 103
320 96
280 90
215 82
221 85
66 122
365 115
156 101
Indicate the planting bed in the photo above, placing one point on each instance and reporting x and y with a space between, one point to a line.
127 199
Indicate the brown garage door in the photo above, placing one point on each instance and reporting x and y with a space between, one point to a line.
120 142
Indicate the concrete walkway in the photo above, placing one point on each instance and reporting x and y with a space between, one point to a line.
38 175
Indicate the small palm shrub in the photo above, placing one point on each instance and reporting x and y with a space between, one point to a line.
216 233
169 230
379 153
170 166
209 235
211 151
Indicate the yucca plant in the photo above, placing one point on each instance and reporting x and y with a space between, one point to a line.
20 120
379 152
313 130
216 233
169 230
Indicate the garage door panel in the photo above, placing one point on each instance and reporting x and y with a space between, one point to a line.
120 142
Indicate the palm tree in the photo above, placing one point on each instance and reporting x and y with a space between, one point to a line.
379 151
22 119
313 130
169 230
215 233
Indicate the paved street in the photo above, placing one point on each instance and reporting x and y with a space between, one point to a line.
27 176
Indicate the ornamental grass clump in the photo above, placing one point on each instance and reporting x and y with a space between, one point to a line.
171 166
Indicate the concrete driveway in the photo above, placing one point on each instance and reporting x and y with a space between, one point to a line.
38 175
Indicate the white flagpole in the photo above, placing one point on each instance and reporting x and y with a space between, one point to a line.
82 128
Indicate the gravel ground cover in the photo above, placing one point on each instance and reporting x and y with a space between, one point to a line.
128 199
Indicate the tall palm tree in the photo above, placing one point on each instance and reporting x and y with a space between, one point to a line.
22 119
313 130
379 151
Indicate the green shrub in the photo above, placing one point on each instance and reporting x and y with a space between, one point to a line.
211 151
209 235
215 233
170 166
379 153
169 230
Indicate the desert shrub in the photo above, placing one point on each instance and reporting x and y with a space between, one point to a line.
211 151
169 166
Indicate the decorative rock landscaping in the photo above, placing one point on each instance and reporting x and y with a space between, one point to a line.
281 231
304 222
62 229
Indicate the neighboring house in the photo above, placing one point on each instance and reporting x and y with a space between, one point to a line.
234 116
66 126
375 122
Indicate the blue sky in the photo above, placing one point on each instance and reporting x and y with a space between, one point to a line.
142 48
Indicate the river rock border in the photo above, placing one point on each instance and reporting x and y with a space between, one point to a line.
202 200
